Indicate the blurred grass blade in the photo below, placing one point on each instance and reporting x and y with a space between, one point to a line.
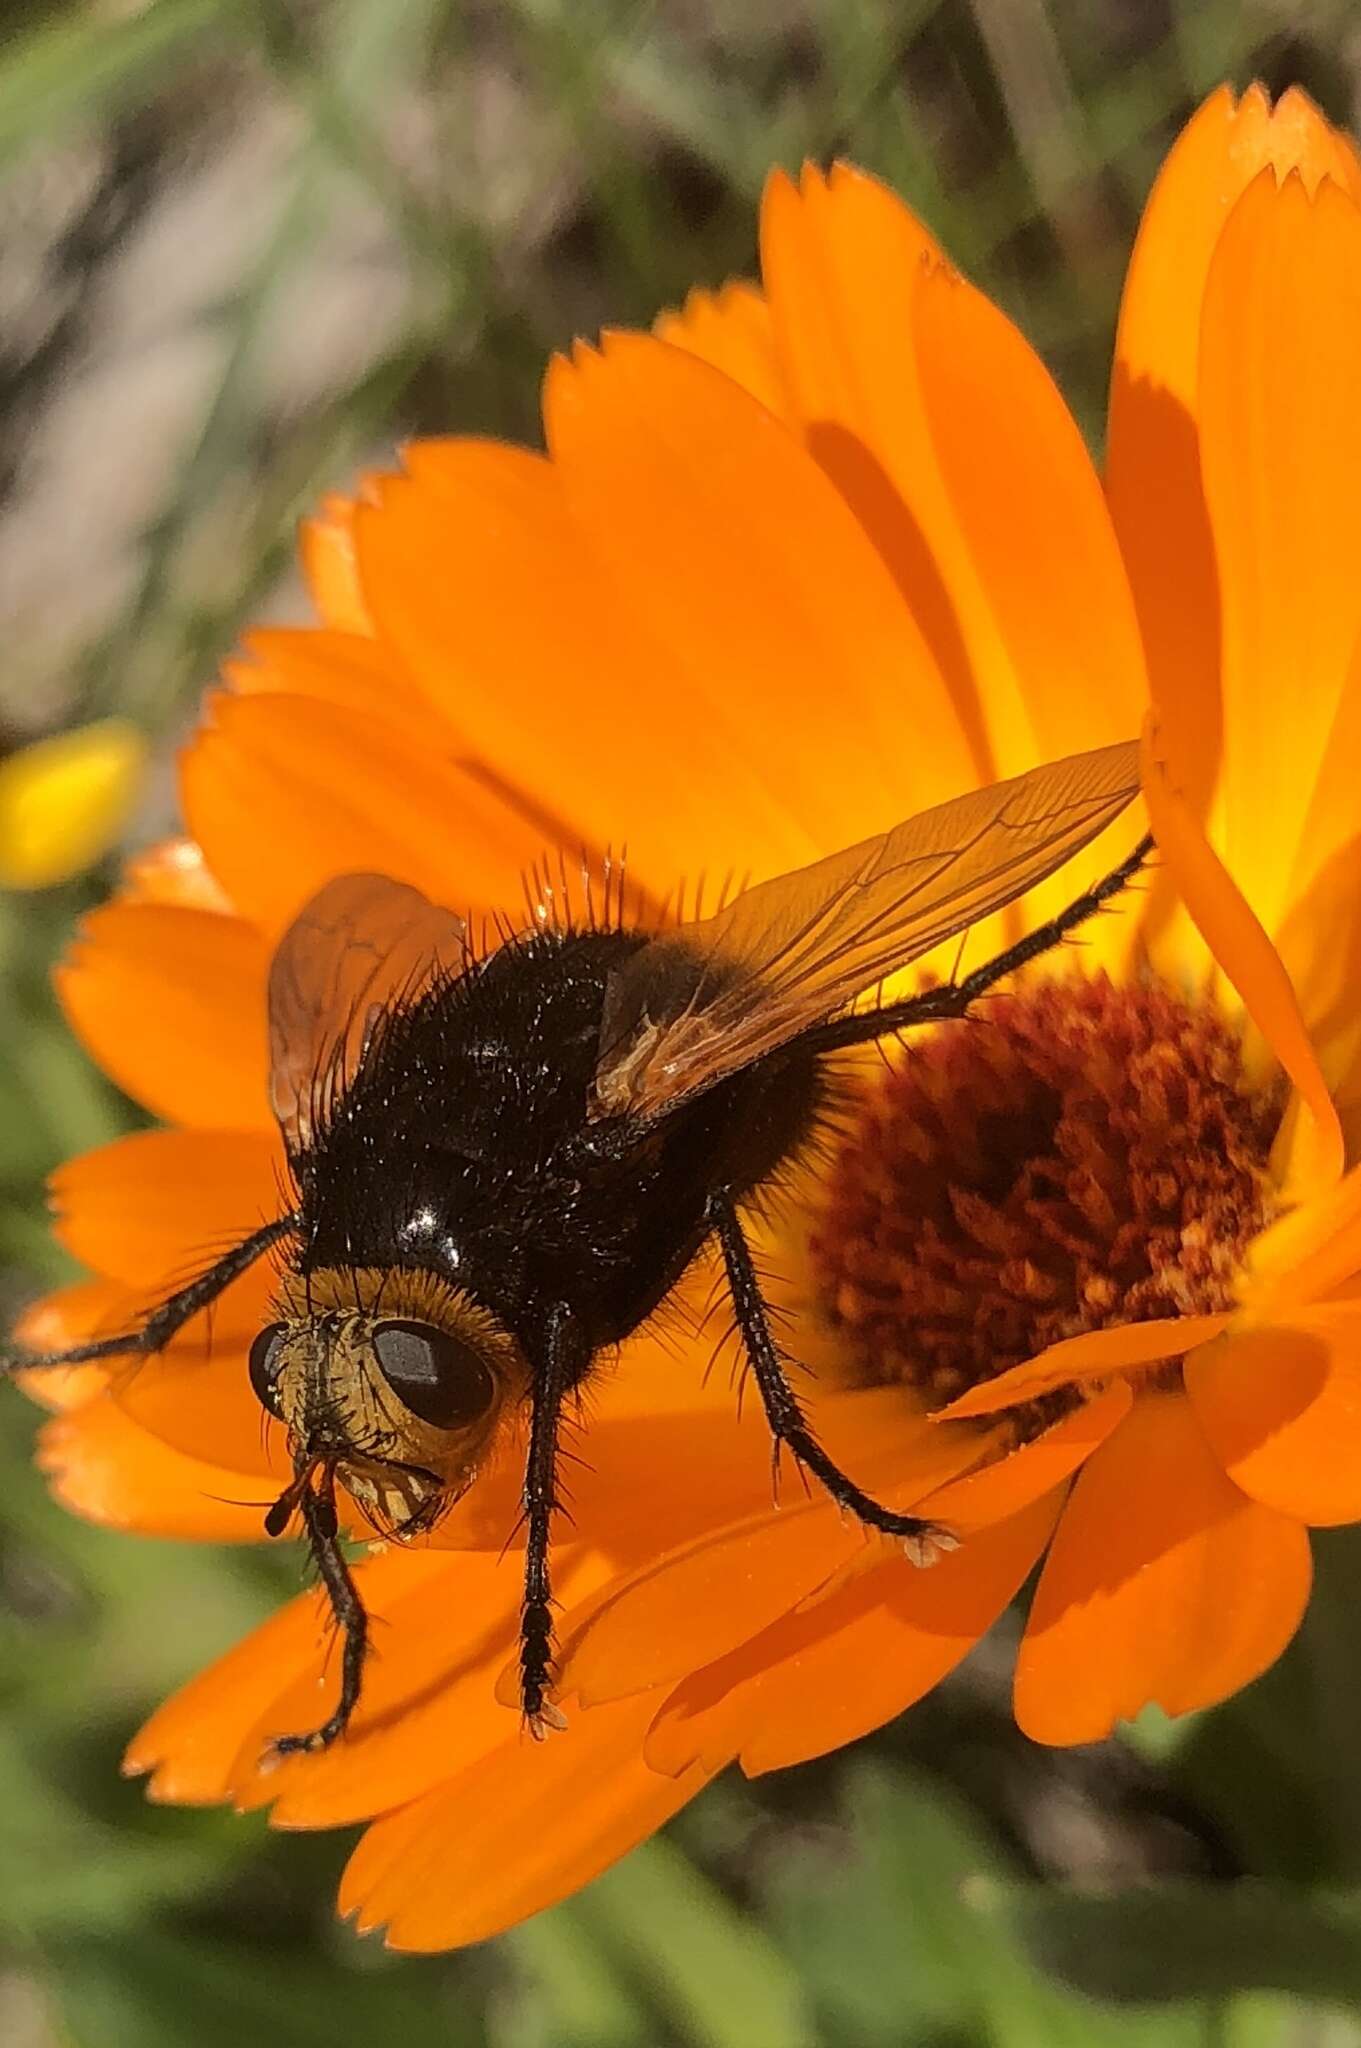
1180 1941
158 1989
574 1996
90 61
709 1967
903 1943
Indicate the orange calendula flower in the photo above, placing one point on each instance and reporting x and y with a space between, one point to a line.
1113 1216
1081 1280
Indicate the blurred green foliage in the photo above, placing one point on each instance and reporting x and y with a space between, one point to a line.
524 170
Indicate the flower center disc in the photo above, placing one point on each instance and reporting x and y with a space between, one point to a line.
1079 1155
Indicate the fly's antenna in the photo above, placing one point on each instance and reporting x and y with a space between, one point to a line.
281 1512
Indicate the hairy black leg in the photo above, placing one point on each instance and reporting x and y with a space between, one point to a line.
788 1424
172 1314
564 1360
954 997
319 1518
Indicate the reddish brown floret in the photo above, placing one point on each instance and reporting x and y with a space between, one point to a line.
1080 1155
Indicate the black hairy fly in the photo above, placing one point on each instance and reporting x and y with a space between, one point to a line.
503 1163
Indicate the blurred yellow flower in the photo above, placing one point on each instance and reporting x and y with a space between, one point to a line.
64 800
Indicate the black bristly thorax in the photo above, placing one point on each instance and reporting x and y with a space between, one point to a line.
463 1146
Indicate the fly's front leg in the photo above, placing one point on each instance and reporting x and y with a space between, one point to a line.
166 1320
319 1518
564 1359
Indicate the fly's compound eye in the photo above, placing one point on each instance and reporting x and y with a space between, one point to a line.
266 1361
439 1378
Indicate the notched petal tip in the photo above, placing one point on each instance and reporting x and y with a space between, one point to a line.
565 382
1284 135
1302 139
842 175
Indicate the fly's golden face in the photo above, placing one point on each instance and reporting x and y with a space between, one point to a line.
392 1381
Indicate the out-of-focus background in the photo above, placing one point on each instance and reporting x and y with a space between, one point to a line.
246 245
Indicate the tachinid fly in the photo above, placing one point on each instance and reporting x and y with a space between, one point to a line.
503 1163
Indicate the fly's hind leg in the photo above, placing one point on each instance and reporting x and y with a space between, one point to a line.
954 999
922 1540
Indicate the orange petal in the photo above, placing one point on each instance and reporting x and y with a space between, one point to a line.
171 1002
428 1707
823 681
194 1395
1281 450
481 582
789 1695
284 792
197 1398
663 1460
1008 1484
730 329
660 1462
1218 154
173 871
1311 1251
840 255
1153 478
326 550
1281 1407
71 1315
1075 1361
1029 504
102 1465
1032 517
477 1856
1239 943
339 668
153 1208
1164 1584
1320 938
190 1744
702 1598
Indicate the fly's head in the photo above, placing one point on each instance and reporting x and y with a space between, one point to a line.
389 1381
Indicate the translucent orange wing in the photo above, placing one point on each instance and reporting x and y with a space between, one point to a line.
361 944
708 998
